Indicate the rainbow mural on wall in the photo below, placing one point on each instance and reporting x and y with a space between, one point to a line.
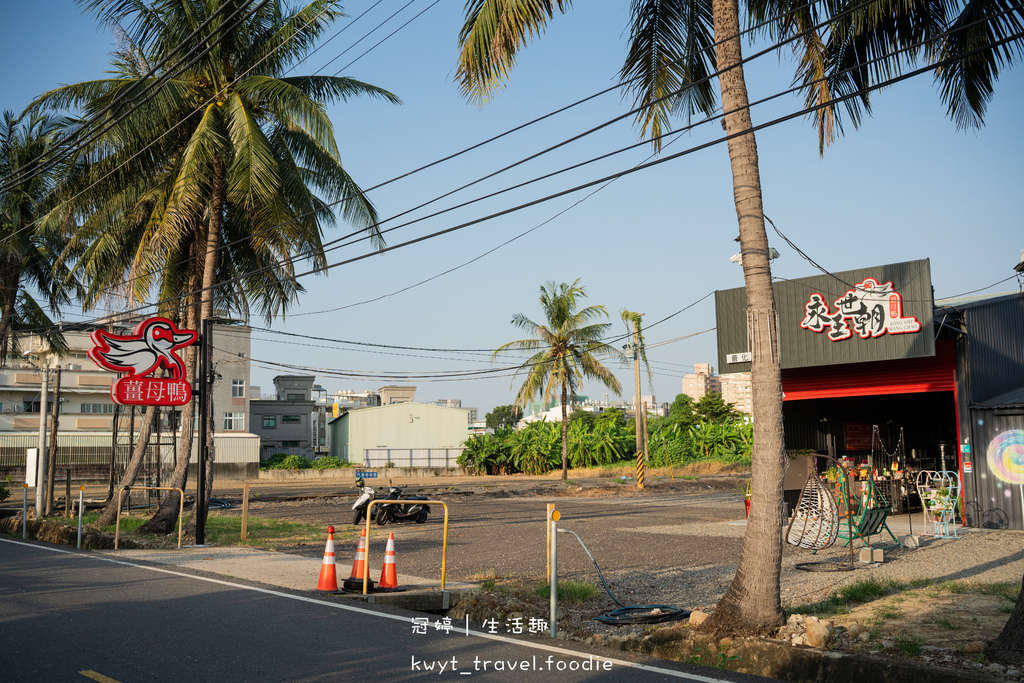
1006 459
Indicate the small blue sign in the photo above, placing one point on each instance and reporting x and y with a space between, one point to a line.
965 448
366 475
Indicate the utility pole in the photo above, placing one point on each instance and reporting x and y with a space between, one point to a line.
636 383
51 465
41 446
205 348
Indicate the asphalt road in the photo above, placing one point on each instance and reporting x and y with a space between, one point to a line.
507 536
74 616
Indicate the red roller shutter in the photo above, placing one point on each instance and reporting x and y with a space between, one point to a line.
906 376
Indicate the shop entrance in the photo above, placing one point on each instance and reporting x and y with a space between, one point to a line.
868 430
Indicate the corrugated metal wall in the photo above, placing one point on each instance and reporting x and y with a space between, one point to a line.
994 488
404 425
906 376
995 348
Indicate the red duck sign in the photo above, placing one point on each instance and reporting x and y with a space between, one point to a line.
137 356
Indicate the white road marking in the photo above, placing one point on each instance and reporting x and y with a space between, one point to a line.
360 610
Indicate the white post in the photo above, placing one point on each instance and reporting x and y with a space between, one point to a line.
553 628
81 504
41 461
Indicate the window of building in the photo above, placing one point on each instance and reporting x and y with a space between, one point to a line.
270 422
98 408
33 406
234 422
289 444
296 397
238 388
290 419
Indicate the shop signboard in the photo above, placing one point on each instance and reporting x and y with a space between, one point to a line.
858 436
855 316
136 357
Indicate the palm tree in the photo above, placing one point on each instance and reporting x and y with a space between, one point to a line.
675 45
564 351
208 192
29 249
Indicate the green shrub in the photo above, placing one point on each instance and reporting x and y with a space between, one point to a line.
292 462
330 464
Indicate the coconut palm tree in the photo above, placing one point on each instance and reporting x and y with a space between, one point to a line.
563 351
210 191
29 250
675 45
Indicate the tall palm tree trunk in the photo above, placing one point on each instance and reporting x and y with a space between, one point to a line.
131 472
167 514
213 244
565 433
752 601
9 281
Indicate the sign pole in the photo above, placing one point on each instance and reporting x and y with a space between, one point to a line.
204 398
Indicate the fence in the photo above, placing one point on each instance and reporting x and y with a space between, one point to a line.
412 457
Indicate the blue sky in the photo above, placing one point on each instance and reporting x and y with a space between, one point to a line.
907 185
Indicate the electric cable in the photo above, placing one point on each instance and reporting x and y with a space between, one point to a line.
756 27
631 614
151 90
6 183
182 121
638 168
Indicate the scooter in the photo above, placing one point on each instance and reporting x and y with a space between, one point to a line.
402 513
362 501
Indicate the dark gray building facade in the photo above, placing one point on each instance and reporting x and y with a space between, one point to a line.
873 368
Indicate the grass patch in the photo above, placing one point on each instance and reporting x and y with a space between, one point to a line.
955 587
908 645
855 593
948 625
888 611
265 532
573 591
1006 608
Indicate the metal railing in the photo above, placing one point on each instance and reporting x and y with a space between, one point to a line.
385 501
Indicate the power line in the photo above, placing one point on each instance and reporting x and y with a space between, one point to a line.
637 168
761 25
148 93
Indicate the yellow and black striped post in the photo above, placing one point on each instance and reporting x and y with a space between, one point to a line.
640 469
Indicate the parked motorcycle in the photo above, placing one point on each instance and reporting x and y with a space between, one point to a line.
359 508
392 512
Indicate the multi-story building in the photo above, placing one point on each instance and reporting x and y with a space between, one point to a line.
701 382
285 424
471 413
736 390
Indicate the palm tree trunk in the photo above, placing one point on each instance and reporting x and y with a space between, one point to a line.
131 472
9 281
1008 648
752 602
166 515
213 244
565 433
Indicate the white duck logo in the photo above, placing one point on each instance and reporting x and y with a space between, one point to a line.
153 344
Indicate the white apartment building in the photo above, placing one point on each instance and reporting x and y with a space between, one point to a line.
702 381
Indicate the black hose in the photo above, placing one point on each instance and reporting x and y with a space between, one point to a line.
631 614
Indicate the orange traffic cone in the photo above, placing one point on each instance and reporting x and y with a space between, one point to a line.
360 562
328 575
355 581
388 573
